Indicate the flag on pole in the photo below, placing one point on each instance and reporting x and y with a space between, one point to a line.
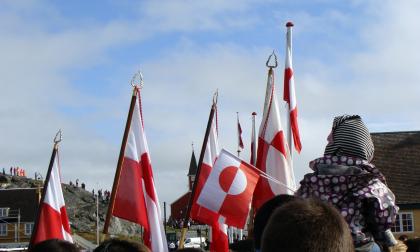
253 158
52 221
289 94
229 188
273 155
198 212
240 142
135 194
219 239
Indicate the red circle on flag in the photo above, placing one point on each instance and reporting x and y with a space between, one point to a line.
226 177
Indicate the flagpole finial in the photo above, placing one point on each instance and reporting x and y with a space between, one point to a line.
289 24
254 113
192 146
215 97
58 137
137 80
275 60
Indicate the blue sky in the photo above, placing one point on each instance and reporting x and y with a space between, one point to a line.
67 64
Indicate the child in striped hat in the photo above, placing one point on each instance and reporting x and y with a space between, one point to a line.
346 178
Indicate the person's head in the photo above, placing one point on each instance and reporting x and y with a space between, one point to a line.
117 245
403 238
54 245
350 137
264 213
305 225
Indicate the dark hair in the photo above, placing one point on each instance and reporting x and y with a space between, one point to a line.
117 245
413 245
403 237
304 225
54 245
264 213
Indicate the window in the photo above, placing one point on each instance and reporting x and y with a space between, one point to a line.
403 222
3 229
4 212
28 228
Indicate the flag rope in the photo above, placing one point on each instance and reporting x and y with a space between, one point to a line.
267 176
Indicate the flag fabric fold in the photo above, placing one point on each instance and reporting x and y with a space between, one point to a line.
135 196
273 155
289 94
52 222
229 189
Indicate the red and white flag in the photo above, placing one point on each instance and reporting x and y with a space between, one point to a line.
289 94
219 239
229 188
253 141
135 197
240 142
273 155
52 222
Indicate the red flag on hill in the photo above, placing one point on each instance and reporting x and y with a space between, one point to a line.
52 221
134 196
289 94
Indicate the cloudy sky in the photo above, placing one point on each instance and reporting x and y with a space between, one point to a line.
67 64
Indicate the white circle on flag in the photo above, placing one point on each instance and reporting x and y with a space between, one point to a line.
238 184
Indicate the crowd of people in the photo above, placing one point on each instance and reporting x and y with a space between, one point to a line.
344 205
15 171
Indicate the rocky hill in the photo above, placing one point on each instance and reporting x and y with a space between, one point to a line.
81 207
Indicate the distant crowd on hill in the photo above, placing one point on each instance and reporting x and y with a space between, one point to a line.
15 171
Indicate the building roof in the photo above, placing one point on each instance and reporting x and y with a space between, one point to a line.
20 200
397 156
193 166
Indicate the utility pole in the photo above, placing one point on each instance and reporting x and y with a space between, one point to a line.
97 219
164 216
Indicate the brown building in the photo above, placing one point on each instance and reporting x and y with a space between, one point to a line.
397 156
17 215
179 206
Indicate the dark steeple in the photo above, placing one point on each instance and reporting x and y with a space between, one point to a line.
193 165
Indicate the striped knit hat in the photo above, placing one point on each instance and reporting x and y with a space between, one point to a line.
350 137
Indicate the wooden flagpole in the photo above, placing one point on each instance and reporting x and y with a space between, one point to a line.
120 160
197 175
57 139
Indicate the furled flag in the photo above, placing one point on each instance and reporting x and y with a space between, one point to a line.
229 188
253 141
219 238
52 221
135 195
273 155
240 142
289 94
